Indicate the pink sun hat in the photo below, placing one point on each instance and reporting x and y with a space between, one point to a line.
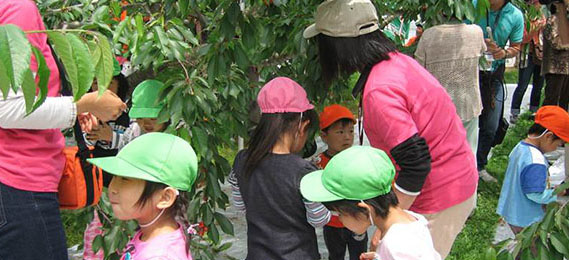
282 95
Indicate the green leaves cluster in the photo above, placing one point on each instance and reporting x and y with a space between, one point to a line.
85 55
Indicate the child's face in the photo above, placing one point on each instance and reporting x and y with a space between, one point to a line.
357 224
550 143
124 193
339 137
149 125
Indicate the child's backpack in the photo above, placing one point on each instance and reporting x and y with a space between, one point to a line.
81 184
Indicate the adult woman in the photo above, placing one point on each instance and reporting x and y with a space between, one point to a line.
31 158
406 112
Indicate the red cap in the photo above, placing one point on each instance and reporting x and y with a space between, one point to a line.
554 119
334 113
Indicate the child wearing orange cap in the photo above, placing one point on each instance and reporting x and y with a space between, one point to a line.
525 190
337 131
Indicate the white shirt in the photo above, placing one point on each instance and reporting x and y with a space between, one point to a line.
408 241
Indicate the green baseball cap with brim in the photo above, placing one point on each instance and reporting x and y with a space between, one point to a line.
155 157
357 173
145 100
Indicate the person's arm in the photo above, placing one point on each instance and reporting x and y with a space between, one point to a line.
132 132
316 214
557 27
533 179
238 202
55 112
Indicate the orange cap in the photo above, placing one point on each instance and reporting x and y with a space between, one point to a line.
554 119
334 113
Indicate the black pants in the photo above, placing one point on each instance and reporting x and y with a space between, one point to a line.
557 90
337 239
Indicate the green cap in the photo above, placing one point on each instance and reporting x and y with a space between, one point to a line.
357 173
116 68
145 100
156 157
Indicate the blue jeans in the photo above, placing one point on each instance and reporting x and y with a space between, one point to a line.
524 76
489 120
30 225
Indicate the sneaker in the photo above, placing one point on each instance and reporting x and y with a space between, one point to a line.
513 119
485 176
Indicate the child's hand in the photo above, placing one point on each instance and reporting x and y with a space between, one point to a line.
102 133
368 256
87 121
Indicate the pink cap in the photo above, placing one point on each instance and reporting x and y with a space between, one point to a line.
282 95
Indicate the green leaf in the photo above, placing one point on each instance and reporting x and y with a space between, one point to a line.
224 223
248 36
241 57
29 89
199 137
15 54
207 215
213 233
183 6
85 68
95 51
97 243
104 69
119 29
560 243
4 81
43 74
233 12
139 25
227 28
64 51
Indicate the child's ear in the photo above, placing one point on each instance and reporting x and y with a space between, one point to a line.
167 198
365 206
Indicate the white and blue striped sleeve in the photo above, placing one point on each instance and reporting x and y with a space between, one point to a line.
316 214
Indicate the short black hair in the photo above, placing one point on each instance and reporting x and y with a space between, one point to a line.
380 204
350 54
419 25
343 121
537 129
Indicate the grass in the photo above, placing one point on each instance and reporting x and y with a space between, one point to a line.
511 75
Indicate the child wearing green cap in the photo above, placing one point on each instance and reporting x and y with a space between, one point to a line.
151 175
145 109
356 183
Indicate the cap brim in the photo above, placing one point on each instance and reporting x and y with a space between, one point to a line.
119 167
143 112
312 188
310 31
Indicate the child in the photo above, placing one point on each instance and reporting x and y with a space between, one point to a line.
524 190
356 183
145 109
151 175
337 131
266 177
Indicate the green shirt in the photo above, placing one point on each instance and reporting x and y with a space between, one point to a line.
510 27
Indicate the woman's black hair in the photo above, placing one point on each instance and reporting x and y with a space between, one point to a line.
380 204
351 54
271 127
537 129
178 210
123 88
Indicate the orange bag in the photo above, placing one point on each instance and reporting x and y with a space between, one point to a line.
82 183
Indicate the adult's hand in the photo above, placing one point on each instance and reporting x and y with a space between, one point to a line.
491 46
106 107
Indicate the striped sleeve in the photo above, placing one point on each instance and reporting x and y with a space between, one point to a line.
316 214
238 202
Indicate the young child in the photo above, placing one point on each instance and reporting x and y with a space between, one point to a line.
151 175
356 184
266 177
145 109
524 190
337 131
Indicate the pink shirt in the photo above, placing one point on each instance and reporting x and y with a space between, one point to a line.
402 99
31 159
170 246
410 241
